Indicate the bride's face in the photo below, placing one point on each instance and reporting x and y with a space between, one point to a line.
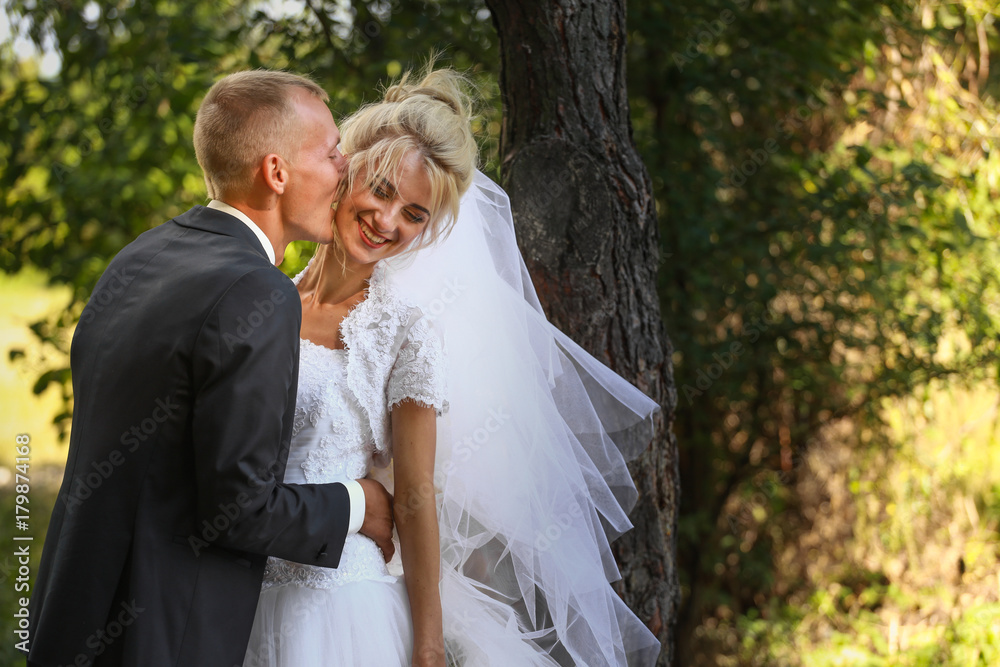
380 220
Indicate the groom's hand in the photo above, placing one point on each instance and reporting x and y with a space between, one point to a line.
378 516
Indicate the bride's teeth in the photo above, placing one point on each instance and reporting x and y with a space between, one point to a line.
370 237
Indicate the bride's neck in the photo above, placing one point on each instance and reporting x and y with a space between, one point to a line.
331 282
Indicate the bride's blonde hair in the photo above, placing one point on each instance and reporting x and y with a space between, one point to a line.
433 118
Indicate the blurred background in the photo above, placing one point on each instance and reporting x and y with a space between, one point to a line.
827 177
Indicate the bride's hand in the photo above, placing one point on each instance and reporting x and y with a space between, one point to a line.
429 653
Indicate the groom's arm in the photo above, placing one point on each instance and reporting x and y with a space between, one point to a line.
246 370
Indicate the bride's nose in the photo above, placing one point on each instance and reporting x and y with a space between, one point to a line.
382 219
388 216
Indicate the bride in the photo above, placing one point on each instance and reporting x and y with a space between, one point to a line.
423 346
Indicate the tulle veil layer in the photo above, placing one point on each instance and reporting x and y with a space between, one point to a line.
530 480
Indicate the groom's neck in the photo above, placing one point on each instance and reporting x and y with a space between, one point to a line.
266 215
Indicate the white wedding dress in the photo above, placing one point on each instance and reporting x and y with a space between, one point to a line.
530 476
357 614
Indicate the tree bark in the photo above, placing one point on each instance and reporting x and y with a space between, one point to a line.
586 223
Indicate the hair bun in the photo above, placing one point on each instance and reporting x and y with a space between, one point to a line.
442 85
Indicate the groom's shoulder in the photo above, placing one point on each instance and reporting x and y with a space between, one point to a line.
200 240
209 229
201 250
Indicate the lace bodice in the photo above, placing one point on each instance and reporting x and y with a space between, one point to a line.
331 437
331 442
341 426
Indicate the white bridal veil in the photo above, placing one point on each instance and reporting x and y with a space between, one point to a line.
530 478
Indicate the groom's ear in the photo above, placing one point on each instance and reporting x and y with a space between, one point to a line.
274 170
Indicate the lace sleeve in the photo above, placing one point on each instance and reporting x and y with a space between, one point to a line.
419 371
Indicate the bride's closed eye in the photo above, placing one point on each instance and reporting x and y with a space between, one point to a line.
414 217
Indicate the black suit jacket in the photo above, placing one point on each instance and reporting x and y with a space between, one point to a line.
185 366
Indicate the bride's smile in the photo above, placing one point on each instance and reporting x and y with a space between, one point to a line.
369 235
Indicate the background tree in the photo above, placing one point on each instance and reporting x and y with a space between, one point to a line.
586 222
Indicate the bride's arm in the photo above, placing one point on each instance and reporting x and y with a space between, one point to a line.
414 437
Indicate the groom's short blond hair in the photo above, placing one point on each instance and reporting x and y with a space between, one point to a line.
244 117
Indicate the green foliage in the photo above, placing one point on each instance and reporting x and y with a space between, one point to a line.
827 183
973 640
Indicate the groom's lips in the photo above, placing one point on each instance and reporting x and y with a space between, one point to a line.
364 237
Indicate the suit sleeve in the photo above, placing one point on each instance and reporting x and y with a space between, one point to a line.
246 371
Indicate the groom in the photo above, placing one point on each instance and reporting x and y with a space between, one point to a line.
185 364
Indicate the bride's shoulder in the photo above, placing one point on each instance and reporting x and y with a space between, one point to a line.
386 315
386 295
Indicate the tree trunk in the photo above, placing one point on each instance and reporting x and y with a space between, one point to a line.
586 224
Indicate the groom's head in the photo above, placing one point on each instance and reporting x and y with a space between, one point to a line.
244 117
267 139
265 134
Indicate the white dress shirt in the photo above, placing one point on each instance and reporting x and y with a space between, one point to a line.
354 490
245 219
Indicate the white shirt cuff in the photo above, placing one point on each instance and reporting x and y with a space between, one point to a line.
357 495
